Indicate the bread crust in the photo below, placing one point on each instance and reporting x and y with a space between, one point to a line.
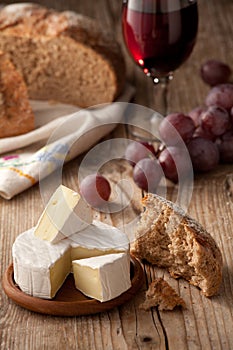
16 115
39 25
167 237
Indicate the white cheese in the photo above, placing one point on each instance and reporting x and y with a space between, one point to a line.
103 277
98 239
65 214
40 268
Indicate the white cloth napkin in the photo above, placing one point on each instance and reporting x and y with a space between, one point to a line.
62 132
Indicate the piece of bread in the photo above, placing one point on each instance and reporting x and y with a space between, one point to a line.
63 56
16 115
161 294
169 238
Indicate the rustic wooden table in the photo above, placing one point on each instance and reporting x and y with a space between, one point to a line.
206 323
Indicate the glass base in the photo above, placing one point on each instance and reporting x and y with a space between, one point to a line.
142 124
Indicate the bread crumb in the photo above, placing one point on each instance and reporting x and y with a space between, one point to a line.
161 294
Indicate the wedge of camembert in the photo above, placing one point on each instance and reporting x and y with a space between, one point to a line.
66 213
40 267
98 239
103 277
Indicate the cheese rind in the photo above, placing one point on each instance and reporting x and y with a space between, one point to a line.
98 239
40 268
103 277
65 214
33 260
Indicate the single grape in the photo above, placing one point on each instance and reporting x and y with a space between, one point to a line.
200 132
195 115
231 114
215 120
173 159
221 95
173 123
227 135
215 72
226 151
136 151
204 154
168 165
147 174
95 189
225 146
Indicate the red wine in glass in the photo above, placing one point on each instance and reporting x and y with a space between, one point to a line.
160 34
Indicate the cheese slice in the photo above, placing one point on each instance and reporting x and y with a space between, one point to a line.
40 268
65 214
103 277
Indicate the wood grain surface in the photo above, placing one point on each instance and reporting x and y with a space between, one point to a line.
206 323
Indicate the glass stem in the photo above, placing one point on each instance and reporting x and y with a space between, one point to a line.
161 94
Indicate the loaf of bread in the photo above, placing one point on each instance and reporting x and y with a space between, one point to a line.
16 115
168 238
63 56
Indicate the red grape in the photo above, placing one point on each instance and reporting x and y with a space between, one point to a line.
215 120
226 150
95 189
204 154
225 146
227 135
221 95
195 115
215 72
200 132
168 165
136 151
147 174
172 160
173 123
231 114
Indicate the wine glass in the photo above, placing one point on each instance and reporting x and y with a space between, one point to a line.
160 36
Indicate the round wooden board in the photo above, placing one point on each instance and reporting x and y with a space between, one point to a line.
68 300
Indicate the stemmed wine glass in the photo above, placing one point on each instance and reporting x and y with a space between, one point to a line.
160 36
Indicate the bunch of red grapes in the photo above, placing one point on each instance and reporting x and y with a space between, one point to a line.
207 132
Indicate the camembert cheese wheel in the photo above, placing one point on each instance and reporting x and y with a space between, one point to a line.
40 267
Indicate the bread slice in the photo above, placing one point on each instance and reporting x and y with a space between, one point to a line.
63 56
169 238
161 294
16 115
